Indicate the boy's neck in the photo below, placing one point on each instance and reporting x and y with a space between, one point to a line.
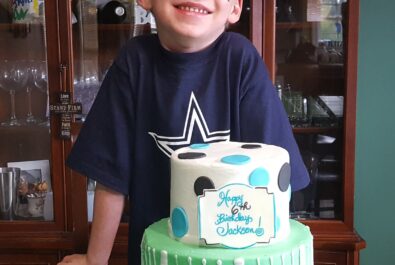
186 45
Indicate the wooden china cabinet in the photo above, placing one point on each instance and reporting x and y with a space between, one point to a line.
55 53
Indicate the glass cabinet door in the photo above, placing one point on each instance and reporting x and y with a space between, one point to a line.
310 79
25 139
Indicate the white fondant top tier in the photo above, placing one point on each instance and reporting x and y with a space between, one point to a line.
230 194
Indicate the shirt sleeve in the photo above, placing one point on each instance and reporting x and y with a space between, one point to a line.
263 118
103 149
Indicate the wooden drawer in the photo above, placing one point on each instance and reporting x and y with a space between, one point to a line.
330 257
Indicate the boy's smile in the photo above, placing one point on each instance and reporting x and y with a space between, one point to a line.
193 8
191 25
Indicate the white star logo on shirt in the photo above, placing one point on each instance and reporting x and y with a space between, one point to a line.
194 116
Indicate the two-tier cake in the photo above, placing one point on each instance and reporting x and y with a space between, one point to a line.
229 206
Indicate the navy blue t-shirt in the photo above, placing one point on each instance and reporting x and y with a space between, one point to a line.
153 102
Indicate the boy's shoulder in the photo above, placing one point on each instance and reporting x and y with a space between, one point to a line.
236 37
142 42
235 40
239 43
139 48
240 48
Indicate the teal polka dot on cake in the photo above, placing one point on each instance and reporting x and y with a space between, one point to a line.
259 177
278 223
236 159
179 222
199 146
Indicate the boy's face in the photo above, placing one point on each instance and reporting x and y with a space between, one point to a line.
192 25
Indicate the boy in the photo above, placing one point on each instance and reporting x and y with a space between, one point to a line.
190 83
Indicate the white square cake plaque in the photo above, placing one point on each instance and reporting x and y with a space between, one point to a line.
236 216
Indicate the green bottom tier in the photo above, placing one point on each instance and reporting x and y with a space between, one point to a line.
157 248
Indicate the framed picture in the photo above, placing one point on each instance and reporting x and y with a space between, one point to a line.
29 203
34 171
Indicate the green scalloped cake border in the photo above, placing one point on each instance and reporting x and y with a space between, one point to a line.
157 248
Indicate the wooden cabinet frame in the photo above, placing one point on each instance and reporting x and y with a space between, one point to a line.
335 241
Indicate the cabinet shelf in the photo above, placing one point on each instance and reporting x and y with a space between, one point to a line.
24 143
315 130
294 25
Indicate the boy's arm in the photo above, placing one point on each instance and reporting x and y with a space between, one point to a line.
108 207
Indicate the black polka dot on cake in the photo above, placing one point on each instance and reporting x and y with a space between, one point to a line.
251 146
191 155
201 184
284 177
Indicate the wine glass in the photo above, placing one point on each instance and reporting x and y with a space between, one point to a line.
40 80
31 69
86 85
13 77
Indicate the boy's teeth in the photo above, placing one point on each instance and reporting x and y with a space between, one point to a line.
193 9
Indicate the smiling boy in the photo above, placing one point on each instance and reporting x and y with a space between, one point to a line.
191 83
190 26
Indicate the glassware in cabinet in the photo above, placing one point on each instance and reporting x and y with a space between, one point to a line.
25 136
311 56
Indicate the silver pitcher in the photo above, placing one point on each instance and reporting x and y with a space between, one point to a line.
9 177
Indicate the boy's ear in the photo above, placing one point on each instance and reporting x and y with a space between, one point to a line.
236 11
146 4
